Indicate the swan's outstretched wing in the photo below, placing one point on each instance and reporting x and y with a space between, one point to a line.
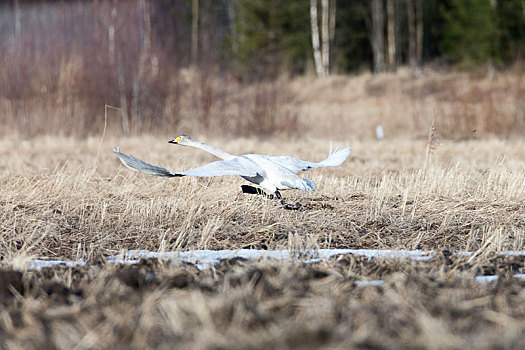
336 157
143 167
236 166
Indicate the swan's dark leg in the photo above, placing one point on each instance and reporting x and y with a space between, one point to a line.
287 205
254 190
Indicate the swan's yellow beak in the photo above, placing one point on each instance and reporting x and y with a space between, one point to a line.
175 141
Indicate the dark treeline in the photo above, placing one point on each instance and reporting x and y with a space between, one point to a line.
152 58
380 34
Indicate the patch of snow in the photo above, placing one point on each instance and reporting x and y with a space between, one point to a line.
486 279
205 259
39 263
375 283
493 278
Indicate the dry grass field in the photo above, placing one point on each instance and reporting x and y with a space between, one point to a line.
68 198
71 198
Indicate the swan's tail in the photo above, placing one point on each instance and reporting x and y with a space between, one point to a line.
336 156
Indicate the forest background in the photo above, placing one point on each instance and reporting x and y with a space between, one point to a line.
239 67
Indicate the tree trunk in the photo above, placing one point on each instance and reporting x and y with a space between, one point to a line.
391 34
195 31
232 7
120 71
123 98
377 37
400 18
315 39
412 56
111 33
333 7
419 32
18 24
325 32
138 88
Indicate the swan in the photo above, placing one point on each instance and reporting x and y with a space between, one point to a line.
272 173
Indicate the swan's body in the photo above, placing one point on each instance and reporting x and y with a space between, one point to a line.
271 173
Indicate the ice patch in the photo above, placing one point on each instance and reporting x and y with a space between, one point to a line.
39 263
364 283
205 259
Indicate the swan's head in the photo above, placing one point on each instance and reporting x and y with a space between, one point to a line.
182 140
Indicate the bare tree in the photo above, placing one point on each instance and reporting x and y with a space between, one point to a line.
325 32
18 25
377 35
144 57
333 6
315 39
419 32
332 9
232 8
399 8
120 71
391 34
322 48
195 31
412 55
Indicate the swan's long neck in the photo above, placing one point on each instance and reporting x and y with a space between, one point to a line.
210 149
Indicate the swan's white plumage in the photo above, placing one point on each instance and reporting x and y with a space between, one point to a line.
236 166
336 157
271 173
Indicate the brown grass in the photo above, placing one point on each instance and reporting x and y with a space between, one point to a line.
462 105
264 304
60 200
456 188
193 101
69 198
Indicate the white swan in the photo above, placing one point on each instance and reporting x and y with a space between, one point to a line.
271 173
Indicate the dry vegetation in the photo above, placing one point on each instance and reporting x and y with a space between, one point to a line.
64 195
261 305
462 189
70 198
464 106
65 198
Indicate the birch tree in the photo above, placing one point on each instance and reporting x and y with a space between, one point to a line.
415 32
377 36
195 31
419 32
144 57
120 71
321 47
325 36
18 23
391 34
315 40
412 54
